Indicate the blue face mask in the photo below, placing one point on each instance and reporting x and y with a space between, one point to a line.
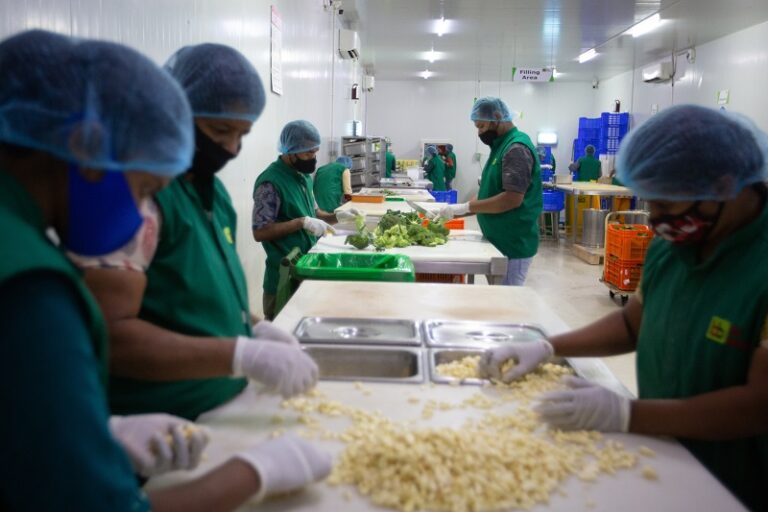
103 215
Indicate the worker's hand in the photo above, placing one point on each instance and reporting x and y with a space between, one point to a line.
268 331
348 215
158 443
585 406
285 464
450 211
316 226
528 355
284 369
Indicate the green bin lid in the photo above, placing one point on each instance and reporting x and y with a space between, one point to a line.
355 267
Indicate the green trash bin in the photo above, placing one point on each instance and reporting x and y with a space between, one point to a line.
355 267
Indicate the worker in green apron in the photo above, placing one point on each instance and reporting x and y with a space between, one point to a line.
390 160
509 202
434 170
451 166
182 333
545 159
333 184
285 213
58 95
700 329
588 167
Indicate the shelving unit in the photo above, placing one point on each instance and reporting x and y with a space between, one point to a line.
368 156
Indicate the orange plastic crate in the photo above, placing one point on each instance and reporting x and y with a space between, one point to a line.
450 224
628 242
361 198
440 278
624 276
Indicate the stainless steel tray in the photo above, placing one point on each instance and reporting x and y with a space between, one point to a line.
358 331
437 356
366 363
440 333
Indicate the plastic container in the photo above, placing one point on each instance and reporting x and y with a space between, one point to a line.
361 198
628 242
613 119
355 267
447 196
450 224
624 276
554 200
547 175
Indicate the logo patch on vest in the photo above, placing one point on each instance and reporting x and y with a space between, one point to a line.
724 332
228 235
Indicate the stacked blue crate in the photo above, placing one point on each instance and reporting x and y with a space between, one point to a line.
613 128
589 133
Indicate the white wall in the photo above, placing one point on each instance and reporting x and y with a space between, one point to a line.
408 111
738 62
316 80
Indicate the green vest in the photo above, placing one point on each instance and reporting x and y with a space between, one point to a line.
390 165
436 174
296 200
195 286
328 187
26 248
452 170
515 232
701 324
589 168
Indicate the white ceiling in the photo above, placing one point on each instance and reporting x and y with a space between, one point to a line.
488 37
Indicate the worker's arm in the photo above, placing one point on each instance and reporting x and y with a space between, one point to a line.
142 350
615 333
730 413
328 217
346 184
266 204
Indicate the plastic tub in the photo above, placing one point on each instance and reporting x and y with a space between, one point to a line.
448 196
355 267
554 200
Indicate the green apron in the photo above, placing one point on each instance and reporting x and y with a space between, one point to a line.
26 248
515 232
195 286
296 200
328 187
589 168
452 171
436 173
701 324
390 165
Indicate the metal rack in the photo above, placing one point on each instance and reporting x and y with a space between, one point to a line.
368 156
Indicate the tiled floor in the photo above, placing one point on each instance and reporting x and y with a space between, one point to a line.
572 289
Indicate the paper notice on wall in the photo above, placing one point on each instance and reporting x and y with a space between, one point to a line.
532 74
276 51
723 97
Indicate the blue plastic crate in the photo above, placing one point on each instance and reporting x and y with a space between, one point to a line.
547 175
614 131
589 123
610 144
554 200
579 146
447 196
614 119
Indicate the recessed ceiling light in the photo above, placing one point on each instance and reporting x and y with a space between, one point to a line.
442 26
587 55
431 55
426 74
647 25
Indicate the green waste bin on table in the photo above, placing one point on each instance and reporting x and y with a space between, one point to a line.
295 268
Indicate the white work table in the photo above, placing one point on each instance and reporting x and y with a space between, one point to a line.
466 252
683 484
590 189
412 194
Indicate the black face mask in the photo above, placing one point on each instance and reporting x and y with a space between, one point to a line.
488 136
209 159
305 166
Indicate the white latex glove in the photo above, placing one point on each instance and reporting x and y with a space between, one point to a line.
450 211
528 355
268 331
286 464
284 369
348 215
316 227
158 443
585 406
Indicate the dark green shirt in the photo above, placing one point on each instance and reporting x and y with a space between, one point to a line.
701 324
589 168
435 172
390 164
328 186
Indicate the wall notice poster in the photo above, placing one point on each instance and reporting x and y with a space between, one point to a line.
276 51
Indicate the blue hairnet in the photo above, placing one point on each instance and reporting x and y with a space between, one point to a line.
298 137
590 149
219 81
431 150
449 147
100 105
688 152
491 109
345 161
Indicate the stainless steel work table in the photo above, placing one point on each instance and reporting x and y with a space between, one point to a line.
683 484
589 189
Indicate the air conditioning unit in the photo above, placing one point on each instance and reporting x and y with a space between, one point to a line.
368 83
661 72
349 44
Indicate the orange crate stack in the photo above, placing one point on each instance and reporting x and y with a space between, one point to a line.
628 242
440 278
623 275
